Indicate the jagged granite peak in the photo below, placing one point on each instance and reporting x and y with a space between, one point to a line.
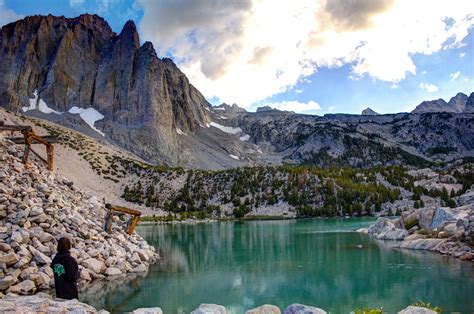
458 102
369 112
81 62
470 104
455 104
234 108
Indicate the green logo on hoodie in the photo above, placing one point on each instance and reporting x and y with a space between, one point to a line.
59 270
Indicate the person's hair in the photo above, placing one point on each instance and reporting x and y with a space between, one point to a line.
64 245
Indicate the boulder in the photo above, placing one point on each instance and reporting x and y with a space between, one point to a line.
36 210
210 309
113 271
265 309
24 287
4 247
148 310
303 309
6 282
416 310
9 259
16 236
95 265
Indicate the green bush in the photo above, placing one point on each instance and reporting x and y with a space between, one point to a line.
437 309
411 223
369 311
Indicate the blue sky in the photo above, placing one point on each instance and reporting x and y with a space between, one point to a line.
265 53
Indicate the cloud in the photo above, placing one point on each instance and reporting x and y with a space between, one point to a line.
462 55
430 88
454 75
354 14
74 3
294 105
331 108
245 51
7 15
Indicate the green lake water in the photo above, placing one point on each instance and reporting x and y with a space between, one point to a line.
318 262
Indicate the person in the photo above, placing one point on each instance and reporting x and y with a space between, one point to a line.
66 271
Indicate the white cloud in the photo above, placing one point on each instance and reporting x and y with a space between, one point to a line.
430 88
294 105
462 55
7 15
245 51
454 75
394 86
330 109
74 3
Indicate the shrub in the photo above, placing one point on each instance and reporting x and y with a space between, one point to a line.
369 311
437 309
411 223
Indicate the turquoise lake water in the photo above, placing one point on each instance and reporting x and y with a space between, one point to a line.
318 262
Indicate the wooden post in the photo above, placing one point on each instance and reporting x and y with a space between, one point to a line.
50 154
133 224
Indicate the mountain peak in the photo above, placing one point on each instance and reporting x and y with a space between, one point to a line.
456 104
369 112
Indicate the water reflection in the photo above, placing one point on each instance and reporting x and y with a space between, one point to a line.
242 265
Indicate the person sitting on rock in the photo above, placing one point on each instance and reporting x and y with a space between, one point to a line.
66 271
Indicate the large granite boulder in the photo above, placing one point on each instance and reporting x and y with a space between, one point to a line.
265 309
303 309
416 310
385 229
210 309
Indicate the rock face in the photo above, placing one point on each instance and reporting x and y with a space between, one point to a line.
369 112
81 62
28 241
457 104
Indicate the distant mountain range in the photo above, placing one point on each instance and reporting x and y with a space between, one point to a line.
77 72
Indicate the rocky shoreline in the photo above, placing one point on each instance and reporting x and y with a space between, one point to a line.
43 303
448 231
36 209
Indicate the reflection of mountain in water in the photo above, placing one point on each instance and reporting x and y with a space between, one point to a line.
242 265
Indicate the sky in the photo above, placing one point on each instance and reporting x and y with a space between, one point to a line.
314 57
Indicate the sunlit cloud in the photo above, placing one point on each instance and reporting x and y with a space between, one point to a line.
462 55
245 51
430 88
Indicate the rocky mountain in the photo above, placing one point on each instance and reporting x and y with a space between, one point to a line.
77 72
458 104
369 112
139 101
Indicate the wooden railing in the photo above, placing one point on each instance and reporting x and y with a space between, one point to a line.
132 223
29 138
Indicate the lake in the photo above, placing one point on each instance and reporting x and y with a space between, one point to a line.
317 262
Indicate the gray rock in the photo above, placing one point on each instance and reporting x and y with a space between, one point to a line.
303 309
6 282
148 310
113 271
416 310
210 309
95 265
9 259
265 309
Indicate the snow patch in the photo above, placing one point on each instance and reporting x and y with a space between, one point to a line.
180 132
215 108
226 129
222 117
89 115
42 106
233 156
244 138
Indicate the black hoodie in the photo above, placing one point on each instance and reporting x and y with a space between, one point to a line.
66 274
